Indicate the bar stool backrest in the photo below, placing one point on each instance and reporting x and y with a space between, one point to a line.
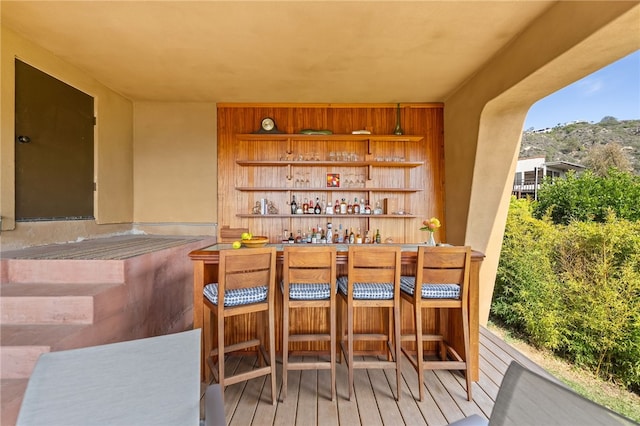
444 265
247 268
310 265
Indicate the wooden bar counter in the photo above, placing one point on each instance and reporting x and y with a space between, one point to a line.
205 270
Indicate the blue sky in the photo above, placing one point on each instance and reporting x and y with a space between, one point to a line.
612 91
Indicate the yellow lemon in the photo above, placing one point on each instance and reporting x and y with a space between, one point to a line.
236 244
245 236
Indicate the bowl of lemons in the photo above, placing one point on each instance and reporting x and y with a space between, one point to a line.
254 241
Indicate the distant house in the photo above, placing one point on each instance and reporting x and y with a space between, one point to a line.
530 174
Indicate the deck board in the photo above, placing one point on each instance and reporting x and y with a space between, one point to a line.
309 400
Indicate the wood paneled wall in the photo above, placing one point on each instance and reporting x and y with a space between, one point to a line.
424 120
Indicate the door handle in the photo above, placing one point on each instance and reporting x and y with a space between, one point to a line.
24 139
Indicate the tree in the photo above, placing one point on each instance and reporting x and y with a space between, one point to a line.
601 158
608 120
589 197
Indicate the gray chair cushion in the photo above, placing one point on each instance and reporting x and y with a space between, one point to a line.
367 291
317 291
236 297
430 291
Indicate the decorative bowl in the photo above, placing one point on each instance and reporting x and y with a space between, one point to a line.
255 242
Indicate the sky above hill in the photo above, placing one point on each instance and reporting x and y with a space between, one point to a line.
612 91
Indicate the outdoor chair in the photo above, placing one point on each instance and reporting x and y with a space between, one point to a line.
372 282
246 285
443 277
528 399
309 281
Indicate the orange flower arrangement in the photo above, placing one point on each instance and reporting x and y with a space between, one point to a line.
430 225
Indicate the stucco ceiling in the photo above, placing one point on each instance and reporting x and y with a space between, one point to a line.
266 51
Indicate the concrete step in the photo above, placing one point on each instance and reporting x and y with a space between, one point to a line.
11 392
47 303
62 271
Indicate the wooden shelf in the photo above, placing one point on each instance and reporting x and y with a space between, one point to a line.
311 216
319 138
352 189
283 163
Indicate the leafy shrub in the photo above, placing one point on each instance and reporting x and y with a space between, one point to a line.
588 197
574 289
599 267
525 295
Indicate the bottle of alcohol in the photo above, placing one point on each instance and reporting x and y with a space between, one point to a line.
349 208
340 236
336 207
343 206
346 236
329 235
305 206
291 239
317 209
367 237
367 207
378 208
299 237
352 237
358 237
378 237
362 205
314 240
294 205
285 236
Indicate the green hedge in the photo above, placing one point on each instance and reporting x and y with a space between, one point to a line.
574 289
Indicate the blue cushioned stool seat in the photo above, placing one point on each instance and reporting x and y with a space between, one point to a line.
431 291
236 297
315 291
368 291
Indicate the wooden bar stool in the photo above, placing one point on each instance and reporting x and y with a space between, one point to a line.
444 276
246 285
309 281
373 281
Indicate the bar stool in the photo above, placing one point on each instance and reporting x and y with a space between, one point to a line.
246 285
309 281
444 276
373 281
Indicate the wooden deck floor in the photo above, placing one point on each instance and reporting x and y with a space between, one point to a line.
308 399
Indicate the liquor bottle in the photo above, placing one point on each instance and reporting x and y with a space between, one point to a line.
343 207
299 237
285 236
317 209
367 237
349 208
309 236
356 206
305 207
378 208
362 205
378 237
314 240
352 237
291 239
346 236
358 237
329 233
340 236
336 207
367 207
294 205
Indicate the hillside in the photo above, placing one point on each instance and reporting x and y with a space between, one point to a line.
573 141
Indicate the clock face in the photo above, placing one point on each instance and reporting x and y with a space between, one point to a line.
268 124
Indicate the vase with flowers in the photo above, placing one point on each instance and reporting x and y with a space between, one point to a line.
430 226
